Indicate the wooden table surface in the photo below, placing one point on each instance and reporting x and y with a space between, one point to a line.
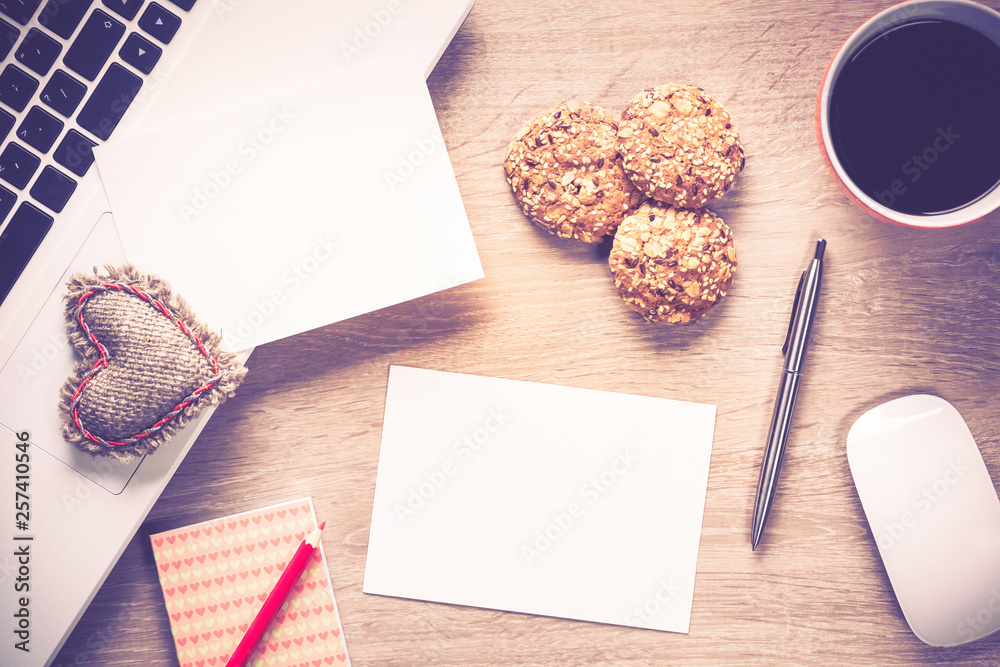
903 311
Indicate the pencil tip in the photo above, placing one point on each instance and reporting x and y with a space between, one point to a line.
322 525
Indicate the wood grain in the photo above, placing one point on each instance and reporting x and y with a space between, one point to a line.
902 311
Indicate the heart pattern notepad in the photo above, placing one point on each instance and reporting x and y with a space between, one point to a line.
216 575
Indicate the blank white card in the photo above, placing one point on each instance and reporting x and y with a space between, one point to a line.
539 498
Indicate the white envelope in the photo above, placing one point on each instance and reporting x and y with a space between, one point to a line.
539 498
302 208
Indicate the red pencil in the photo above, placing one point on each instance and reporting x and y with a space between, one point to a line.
276 598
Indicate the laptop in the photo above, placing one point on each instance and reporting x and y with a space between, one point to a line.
79 75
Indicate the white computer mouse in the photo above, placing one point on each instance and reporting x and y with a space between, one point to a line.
934 514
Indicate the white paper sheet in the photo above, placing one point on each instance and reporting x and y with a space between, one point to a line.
300 209
539 498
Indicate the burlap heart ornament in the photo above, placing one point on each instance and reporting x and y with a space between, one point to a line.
147 366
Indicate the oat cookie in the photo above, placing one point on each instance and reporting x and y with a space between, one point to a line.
679 145
566 174
672 264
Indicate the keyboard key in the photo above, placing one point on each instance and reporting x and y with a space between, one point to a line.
63 93
159 23
75 152
124 8
16 87
63 16
18 242
19 10
6 125
7 200
17 165
186 5
94 44
52 189
38 51
109 101
39 129
140 53
8 38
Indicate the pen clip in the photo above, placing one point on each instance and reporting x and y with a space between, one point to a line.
795 309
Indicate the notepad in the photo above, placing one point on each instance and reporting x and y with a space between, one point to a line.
216 575
539 498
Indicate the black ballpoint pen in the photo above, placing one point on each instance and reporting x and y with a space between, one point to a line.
796 341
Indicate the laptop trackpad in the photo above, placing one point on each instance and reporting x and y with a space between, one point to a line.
31 379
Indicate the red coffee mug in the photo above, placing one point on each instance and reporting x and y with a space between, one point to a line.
973 15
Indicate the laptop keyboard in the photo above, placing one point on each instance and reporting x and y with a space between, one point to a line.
65 84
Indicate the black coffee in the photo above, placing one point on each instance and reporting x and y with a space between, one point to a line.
915 116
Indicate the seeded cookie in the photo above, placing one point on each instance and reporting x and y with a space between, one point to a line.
679 145
671 264
566 174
